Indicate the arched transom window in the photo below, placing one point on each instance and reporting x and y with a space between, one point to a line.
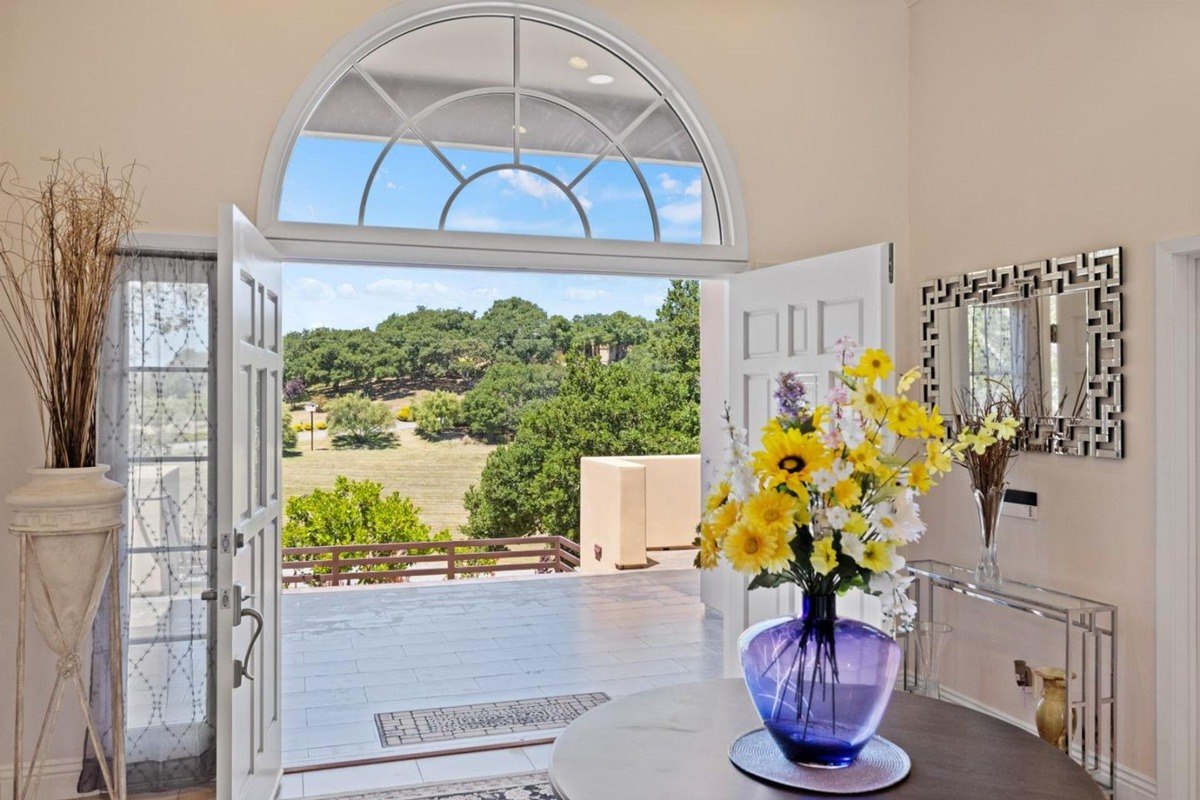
503 122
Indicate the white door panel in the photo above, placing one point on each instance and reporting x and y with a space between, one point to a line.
249 448
788 318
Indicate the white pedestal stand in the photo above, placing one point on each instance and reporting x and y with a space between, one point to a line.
68 521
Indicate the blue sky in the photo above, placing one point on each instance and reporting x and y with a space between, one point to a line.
340 296
325 180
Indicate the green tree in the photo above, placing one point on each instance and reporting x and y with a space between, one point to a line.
531 486
437 413
354 512
618 331
519 331
493 407
357 422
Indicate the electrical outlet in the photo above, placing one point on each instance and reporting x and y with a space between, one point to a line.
1019 504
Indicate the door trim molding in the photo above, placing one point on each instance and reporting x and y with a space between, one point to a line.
1176 320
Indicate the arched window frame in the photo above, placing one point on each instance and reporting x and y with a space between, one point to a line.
371 244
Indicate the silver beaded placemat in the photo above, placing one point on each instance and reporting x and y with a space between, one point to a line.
880 764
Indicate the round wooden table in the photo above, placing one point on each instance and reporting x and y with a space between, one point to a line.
673 742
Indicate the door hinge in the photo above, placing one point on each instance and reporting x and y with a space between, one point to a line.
891 263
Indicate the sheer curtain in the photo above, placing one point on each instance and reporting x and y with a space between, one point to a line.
155 429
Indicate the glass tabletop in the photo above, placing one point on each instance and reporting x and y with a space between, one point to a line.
1012 593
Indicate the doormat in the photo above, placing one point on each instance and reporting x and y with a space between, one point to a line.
450 723
525 786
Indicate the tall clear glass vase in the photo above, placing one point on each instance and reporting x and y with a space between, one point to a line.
989 502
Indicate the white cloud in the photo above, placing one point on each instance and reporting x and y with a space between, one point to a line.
683 212
409 290
669 185
529 184
347 290
311 289
390 185
693 188
486 292
576 293
654 299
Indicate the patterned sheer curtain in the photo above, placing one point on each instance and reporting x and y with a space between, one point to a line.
155 428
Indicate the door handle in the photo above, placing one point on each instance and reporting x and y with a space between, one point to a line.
241 669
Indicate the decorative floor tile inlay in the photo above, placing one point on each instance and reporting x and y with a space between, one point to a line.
449 723
526 786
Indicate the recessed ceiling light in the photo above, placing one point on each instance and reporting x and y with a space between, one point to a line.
600 79
578 62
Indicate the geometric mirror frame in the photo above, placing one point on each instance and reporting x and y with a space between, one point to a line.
1055 325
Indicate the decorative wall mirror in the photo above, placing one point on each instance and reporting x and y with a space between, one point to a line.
1051 330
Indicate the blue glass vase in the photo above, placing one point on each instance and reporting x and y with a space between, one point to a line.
821 684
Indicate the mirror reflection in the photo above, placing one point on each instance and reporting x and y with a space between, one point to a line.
1036 345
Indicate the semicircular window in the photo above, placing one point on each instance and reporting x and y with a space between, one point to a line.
500 124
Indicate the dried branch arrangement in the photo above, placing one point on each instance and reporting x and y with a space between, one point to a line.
58 269
989 427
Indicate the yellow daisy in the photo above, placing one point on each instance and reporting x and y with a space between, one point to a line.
875 364
750 549
710 549
824 556
869 402
789 457
908 379
720 521
847 492
771 509
857 525
905 417
933 425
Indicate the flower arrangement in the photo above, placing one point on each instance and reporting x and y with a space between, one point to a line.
989 432
830 497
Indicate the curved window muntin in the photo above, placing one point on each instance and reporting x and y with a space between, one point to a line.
722 196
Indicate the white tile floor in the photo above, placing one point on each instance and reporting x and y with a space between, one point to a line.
408 773
349 654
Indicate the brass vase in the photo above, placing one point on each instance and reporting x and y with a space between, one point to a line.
1051 714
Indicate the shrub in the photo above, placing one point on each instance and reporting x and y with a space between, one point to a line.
405 414
437 413
294 390
288 434
358 422
322 425
354 512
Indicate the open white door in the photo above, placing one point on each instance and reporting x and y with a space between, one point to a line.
787 318
249 410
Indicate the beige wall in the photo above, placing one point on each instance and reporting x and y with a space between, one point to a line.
811 96
1043 128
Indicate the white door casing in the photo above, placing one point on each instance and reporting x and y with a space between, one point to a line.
787 318
249 411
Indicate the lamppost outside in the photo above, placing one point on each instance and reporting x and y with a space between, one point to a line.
311 408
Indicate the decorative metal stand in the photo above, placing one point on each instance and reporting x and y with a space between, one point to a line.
70 633
1089 654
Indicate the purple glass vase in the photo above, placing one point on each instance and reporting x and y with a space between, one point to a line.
821 684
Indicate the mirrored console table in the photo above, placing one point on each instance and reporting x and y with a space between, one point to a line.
1089 631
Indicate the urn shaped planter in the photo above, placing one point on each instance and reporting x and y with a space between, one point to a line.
68 517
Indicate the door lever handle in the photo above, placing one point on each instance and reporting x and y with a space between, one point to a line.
241 669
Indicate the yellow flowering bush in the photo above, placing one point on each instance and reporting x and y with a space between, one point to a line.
829 496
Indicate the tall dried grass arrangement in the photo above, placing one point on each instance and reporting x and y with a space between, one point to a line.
58 253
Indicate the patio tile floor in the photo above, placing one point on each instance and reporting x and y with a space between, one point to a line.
349 654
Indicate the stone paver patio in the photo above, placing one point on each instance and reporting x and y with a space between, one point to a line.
352 653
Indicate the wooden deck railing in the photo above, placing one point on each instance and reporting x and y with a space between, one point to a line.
390 563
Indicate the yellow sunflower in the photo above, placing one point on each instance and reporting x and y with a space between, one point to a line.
847 492
710 549
718 496
720 521
771 509
789 458
751 549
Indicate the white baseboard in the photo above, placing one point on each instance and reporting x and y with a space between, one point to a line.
1131 785
59 778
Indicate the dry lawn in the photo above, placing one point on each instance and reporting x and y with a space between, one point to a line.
434 474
